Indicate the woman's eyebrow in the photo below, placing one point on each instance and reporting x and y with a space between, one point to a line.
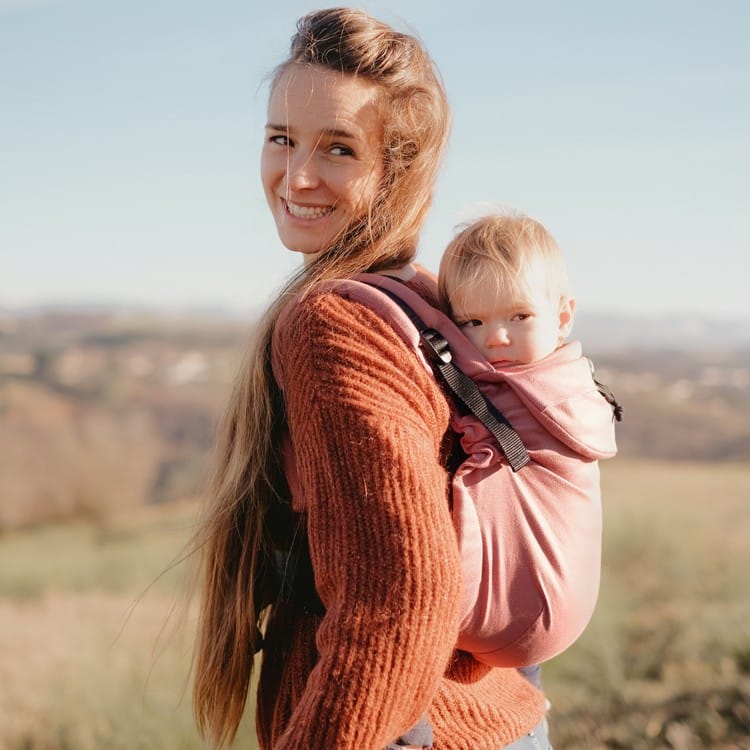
331 132
338 133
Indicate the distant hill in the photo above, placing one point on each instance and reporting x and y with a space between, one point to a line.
601 331
130 399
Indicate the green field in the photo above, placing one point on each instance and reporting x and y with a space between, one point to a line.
95 641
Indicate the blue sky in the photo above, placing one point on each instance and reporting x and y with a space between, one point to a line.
130 133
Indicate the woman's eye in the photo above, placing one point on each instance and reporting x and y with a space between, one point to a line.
339 150
280 140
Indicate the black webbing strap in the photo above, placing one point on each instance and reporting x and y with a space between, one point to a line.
609 397
465 389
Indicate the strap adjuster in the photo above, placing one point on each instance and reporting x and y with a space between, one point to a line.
437 345
465 390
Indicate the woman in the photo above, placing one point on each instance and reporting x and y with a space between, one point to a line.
337 440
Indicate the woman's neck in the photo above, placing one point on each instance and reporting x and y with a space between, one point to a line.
405 273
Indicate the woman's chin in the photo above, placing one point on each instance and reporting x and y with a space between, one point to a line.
304 245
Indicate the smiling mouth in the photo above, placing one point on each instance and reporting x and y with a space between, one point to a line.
307 212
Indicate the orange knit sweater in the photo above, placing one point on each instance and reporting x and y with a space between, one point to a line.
367 436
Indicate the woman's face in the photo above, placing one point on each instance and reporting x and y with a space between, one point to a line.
322 156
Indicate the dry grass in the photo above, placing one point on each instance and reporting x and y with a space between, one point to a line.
85 661
664 662
95 636
79 673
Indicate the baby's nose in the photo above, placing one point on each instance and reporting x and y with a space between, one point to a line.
497 335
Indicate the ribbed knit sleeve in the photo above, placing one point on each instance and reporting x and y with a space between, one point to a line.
366 424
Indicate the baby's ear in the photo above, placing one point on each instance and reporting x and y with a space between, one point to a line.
567 313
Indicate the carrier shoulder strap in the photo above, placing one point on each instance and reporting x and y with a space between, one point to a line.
465 390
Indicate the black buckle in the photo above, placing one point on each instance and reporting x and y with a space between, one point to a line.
437 345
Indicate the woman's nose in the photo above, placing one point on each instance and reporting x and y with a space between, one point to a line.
301 172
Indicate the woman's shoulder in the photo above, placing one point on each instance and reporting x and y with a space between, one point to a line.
329 311
331 297
324 313
325 328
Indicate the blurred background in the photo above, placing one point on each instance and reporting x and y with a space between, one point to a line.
137 254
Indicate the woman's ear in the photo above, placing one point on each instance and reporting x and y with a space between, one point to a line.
567 313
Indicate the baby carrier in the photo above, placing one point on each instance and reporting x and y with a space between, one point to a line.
525 498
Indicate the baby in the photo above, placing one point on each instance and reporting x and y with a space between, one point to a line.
504 282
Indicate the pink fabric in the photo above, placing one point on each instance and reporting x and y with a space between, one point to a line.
530 541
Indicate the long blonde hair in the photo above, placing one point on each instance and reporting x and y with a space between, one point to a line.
236 537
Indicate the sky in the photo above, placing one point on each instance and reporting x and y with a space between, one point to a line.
130 134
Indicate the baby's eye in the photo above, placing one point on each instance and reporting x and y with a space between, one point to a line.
522 316
471 323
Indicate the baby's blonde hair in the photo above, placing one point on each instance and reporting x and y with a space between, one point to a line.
501 246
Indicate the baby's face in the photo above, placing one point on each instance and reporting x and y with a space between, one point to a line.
512 330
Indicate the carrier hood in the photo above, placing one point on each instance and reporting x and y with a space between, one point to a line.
561 394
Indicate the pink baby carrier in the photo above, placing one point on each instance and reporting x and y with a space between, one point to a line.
526 498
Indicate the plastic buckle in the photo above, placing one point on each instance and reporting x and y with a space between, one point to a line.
437 345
